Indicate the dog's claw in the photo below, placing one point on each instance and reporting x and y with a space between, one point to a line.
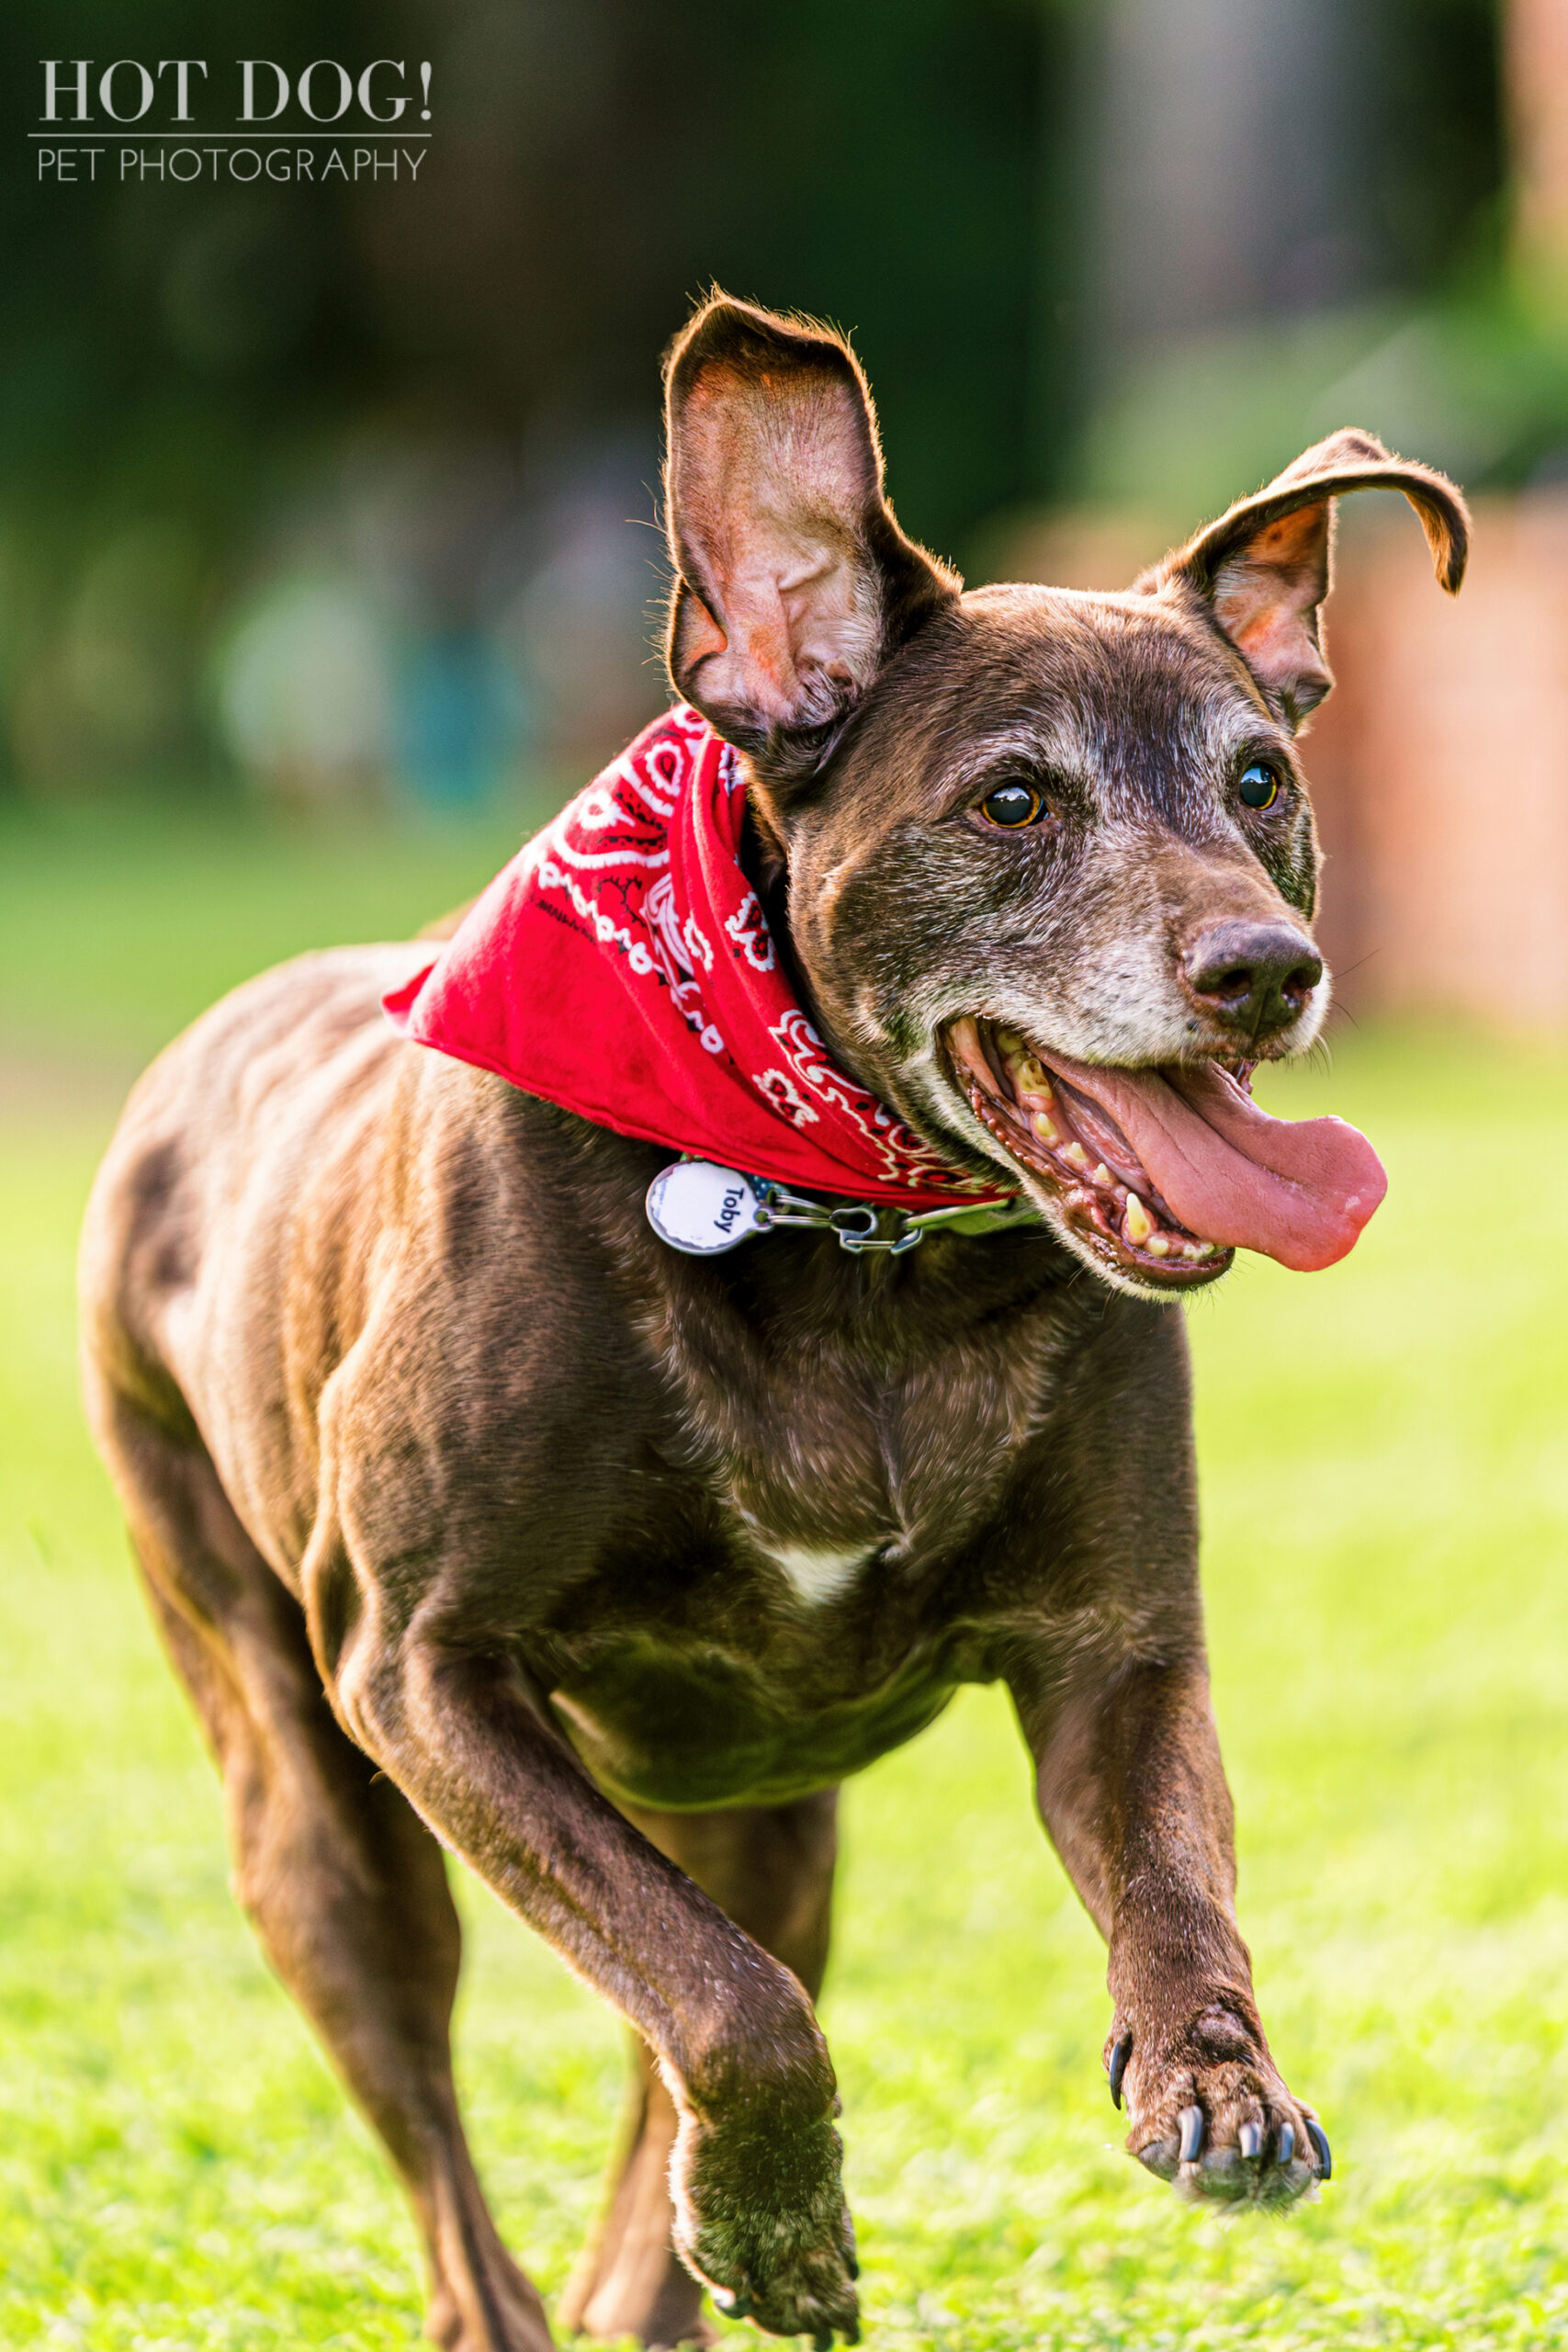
1121 2051
1250 2139
1191 2122
1319 2139
1287 2143
734 2302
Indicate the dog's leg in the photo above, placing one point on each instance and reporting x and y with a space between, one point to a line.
347 1888
756 2167
771 1868
1134 1794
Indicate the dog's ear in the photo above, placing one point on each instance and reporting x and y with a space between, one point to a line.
792 582
1263 568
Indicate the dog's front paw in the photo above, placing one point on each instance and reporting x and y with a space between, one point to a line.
761 2219
1210 2114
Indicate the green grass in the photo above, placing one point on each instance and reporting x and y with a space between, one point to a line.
1386 1498
117 925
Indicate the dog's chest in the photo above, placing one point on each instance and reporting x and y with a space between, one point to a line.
816 1574
819 1582
823 1461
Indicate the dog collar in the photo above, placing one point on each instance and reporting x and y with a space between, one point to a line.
699 1207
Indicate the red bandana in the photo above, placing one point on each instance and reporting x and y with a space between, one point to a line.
620 966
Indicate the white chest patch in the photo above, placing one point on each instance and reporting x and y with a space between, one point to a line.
817 1576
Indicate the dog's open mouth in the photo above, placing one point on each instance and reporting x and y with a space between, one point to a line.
1162 1174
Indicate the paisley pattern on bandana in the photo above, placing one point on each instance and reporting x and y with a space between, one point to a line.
622 967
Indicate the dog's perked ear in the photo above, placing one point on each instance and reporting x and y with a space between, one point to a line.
1263 568
792 582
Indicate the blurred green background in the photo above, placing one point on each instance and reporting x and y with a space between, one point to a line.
346 494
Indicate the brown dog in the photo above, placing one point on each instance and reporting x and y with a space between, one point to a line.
474 1516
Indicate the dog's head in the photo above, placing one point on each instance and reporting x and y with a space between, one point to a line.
1048 858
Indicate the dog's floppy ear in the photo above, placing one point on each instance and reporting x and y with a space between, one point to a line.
792 582
1263 568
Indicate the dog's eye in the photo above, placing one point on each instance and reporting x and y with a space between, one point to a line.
1260 785
1011 805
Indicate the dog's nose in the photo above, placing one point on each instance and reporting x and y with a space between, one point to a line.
1255 975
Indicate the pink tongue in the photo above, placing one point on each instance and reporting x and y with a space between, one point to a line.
1298 1189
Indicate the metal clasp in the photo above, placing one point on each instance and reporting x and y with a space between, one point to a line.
859 1227
857 1223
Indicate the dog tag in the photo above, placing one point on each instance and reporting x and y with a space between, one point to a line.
702 1209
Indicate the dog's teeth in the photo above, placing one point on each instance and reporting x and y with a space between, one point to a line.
1156 1246
1076 1154
1009 1041
1197 1249
1045 1127
1102 1174
1030 1077
1140 1223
